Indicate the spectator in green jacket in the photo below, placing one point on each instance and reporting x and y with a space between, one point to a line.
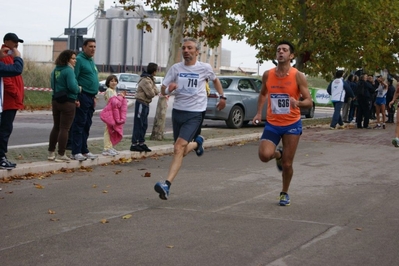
63 80
87 77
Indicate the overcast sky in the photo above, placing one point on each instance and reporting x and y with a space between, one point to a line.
40 20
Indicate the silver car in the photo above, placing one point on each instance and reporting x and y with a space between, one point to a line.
241 104
127 82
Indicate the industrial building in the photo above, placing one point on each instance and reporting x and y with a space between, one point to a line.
122 47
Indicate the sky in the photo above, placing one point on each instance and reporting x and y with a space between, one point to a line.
39 20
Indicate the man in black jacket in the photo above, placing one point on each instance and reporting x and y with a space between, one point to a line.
363 93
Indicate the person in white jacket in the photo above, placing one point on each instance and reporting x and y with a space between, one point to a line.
337 89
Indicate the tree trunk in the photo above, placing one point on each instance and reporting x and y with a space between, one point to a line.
174 57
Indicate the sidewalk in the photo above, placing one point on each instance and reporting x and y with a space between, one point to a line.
33 160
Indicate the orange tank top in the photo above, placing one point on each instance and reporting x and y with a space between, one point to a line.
279 91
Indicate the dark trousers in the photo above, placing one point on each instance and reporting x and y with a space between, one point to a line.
6 126
363 111
63 115
81 124
352 110
337 118
140 122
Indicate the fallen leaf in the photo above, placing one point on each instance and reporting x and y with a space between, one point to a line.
170 246
359 229
105 191
127 216
104 221
94 186
147 174
51 212
118 172
38 186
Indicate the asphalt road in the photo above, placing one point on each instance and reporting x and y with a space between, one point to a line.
222 209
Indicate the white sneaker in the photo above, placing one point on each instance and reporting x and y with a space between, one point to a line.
79 157
109 152
115 151
51 156
62 159
90 156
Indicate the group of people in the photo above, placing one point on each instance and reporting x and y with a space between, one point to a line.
361 98
283 87
74 81
364 97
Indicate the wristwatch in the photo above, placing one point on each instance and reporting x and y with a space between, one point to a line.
222 97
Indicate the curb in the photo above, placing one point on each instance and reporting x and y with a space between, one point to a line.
48 166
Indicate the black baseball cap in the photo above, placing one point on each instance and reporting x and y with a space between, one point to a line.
12 37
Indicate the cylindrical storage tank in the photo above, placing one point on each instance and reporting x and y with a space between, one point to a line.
163 46
117 43
133 44
150 42
114 12
101 57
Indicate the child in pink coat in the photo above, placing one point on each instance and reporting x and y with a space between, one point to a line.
114 116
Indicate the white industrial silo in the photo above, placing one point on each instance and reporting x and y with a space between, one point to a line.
163 46
150 42
114 12
101 57
133 44
117 44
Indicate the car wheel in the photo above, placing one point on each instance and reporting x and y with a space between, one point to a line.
311 112
236 117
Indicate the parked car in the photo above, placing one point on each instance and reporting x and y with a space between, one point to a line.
158 82
129 81
242 101
241 104
308 112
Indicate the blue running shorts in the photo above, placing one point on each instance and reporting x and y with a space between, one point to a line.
275 133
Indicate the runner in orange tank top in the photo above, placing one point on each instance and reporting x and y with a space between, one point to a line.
282 86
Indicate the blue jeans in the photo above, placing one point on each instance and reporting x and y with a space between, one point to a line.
337 118
140 122
81 124
6 126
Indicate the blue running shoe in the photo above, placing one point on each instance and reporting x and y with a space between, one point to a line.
284 199
199 150
279 161
162 188
395 142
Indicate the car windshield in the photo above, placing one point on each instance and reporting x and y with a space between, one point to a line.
129 78
224 81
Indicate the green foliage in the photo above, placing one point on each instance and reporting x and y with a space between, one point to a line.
327 34
348 34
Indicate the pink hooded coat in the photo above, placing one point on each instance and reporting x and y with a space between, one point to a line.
114 116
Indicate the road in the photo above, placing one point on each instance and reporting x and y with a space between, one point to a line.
35 127
222 209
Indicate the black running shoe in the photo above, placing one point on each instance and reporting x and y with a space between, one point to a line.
6 164
136 148
145 148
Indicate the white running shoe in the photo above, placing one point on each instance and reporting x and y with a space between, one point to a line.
109 152
79 157
90 156
51 156
62 159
